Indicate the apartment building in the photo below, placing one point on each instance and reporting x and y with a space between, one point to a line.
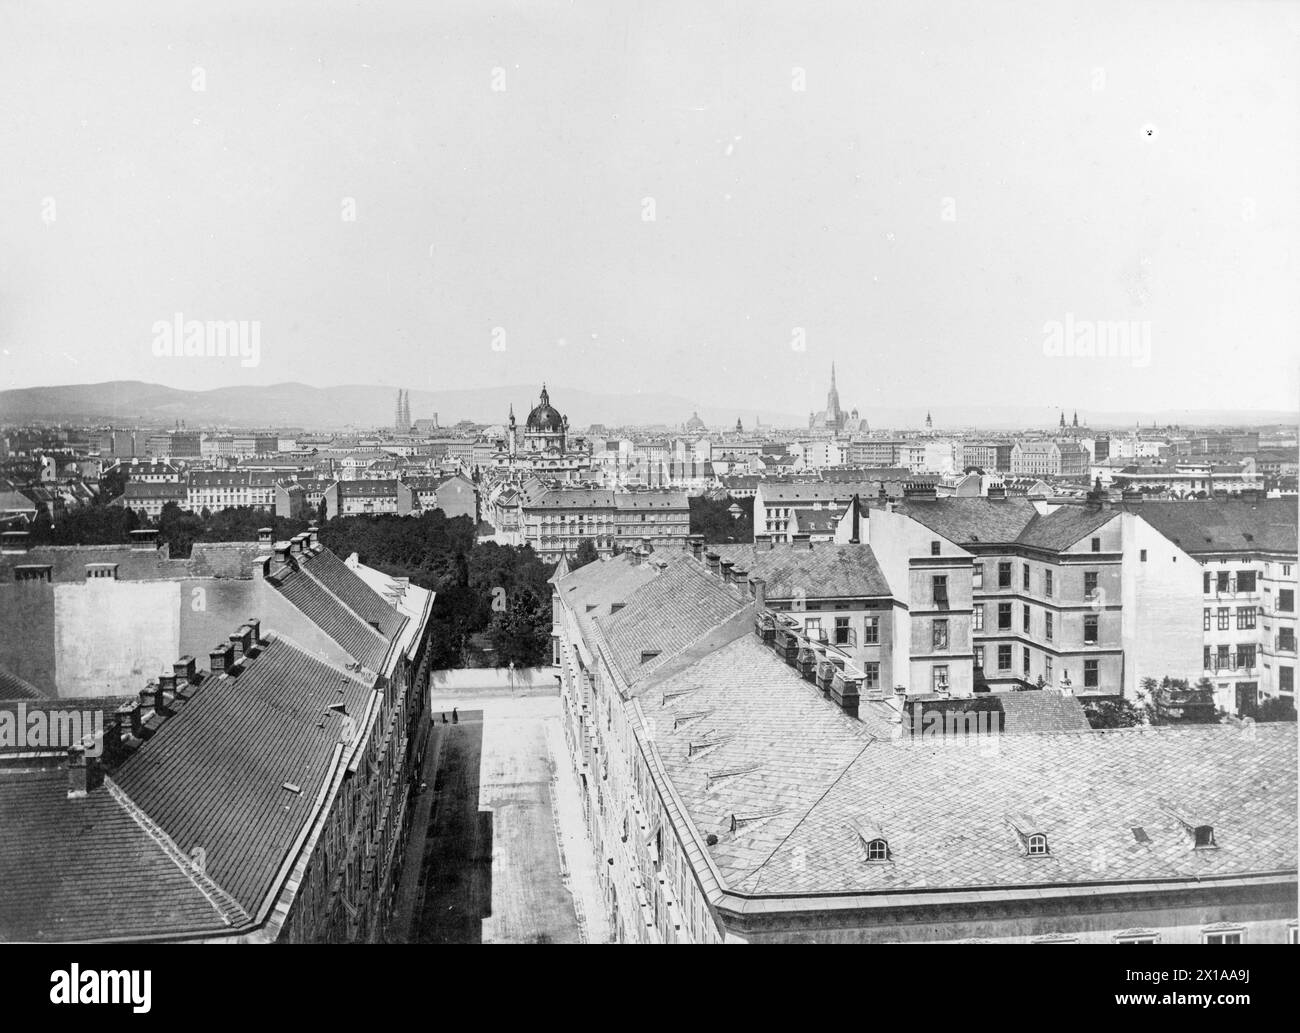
1087 599
368 498
739 787
220 489
989 456
1185 478
555 520
1049 459
775 502
1246 552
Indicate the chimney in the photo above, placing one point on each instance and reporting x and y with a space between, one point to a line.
739 575
712 559
129 715
646 547
147 695
997 493
803 540
221 658
14 542
144 539
697 546
166 686
726 566
761 539
264 536
254 626
184 669
240 640
760 592
856 536
313 534
84 772
296 543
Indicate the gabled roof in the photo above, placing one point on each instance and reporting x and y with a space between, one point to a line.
214 775
1208 526
971 520
827 570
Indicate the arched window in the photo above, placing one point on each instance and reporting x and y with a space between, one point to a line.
1037 845
878 850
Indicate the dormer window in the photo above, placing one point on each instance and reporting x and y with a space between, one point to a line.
872 840
1203 836
1033 840
1037 846
877 850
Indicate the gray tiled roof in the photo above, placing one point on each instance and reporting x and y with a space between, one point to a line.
826 570
1211 526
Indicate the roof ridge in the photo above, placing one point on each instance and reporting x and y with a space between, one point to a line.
226 906
365 621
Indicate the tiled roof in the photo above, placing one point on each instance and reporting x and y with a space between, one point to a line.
87 869
971 520
214 775
1209 526
826 570
225 559
14 687
359 640
1064 526
87 706
351 590
367 489
68 562
651 500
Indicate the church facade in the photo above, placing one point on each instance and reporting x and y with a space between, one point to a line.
544 448
835 419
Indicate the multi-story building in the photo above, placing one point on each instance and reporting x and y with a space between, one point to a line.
227 489
265 799
149 498
989 456
368 498
1187 478
1090 599
555 520
739 787
1246 551
1050 459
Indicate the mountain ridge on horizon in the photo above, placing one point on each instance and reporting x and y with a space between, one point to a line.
292 403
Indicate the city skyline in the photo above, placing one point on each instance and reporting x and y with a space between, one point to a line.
740 217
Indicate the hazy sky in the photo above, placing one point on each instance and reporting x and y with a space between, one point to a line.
921 187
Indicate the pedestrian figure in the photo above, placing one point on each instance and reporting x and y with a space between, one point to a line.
444 717
455 718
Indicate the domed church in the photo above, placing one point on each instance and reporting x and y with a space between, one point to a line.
546 448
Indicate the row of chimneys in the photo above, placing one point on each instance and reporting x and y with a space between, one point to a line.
727 571
814 662
139 720
145 539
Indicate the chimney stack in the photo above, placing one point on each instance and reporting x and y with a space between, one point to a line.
184 669
240 640
313 534
803 540
712 558
760 592
14 542
254 626
129 715
726 566
84 772
144 539
264 536
221 658
166 686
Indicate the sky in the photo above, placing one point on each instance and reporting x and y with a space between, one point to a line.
710 199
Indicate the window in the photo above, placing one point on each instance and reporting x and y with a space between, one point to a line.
1221 581
1203 836
1222 662
977 617
1208 665
1025 620
1245 581
1089 583
1047 669
1004 616
1025 664
877 850
1223 618
1286 640
1090 674
812 627
979 656
1037 846
939 678
871 675
934 548
1286 679
1245 617
1142 555
939 584
1004 658
1137 937
843 633
1090 627
870 631
1025 579
1047 626
1004 574
1096 545
1207 588
939 634
977 576
1047 583
1286 599
1224 936
1205 621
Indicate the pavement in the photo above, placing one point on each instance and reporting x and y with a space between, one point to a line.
498 851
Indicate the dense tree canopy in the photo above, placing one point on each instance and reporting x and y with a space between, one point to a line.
714 520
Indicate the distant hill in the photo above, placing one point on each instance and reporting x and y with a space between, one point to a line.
127 402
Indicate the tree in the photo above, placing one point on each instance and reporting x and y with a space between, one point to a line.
713 519
1279 708
1117 713
586 554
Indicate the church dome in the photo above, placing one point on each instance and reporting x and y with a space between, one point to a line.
695 423
544 419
